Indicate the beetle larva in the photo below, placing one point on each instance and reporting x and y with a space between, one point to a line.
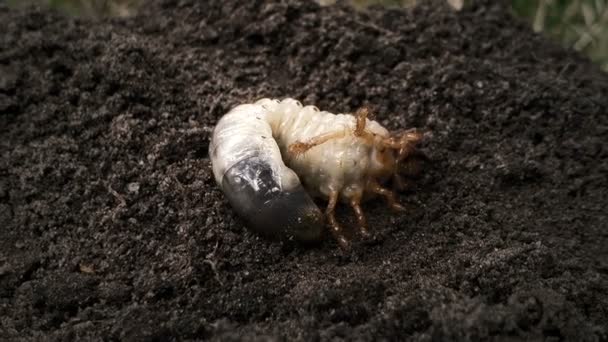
271 157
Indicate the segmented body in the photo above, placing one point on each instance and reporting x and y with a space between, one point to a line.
340 164
262 151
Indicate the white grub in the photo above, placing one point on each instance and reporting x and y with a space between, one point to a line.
263 152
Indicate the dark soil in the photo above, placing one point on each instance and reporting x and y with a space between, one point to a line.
112 227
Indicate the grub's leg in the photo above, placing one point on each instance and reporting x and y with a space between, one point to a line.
355 203
361 116
300 147
388 194
336 230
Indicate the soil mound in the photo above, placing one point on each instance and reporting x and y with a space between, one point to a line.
112 226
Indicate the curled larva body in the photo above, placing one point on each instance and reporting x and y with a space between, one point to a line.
271 156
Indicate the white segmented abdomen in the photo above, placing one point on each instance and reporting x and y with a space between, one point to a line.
247 164
338 164
243 133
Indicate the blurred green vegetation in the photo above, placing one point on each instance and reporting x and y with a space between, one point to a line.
578 24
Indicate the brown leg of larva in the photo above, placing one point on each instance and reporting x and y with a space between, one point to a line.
361 116
388 194
355 203
336 230
300 147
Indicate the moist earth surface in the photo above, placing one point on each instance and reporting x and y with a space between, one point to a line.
112 227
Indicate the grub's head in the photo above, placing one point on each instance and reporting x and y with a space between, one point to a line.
397 156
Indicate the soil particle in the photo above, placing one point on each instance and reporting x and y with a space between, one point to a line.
111 225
